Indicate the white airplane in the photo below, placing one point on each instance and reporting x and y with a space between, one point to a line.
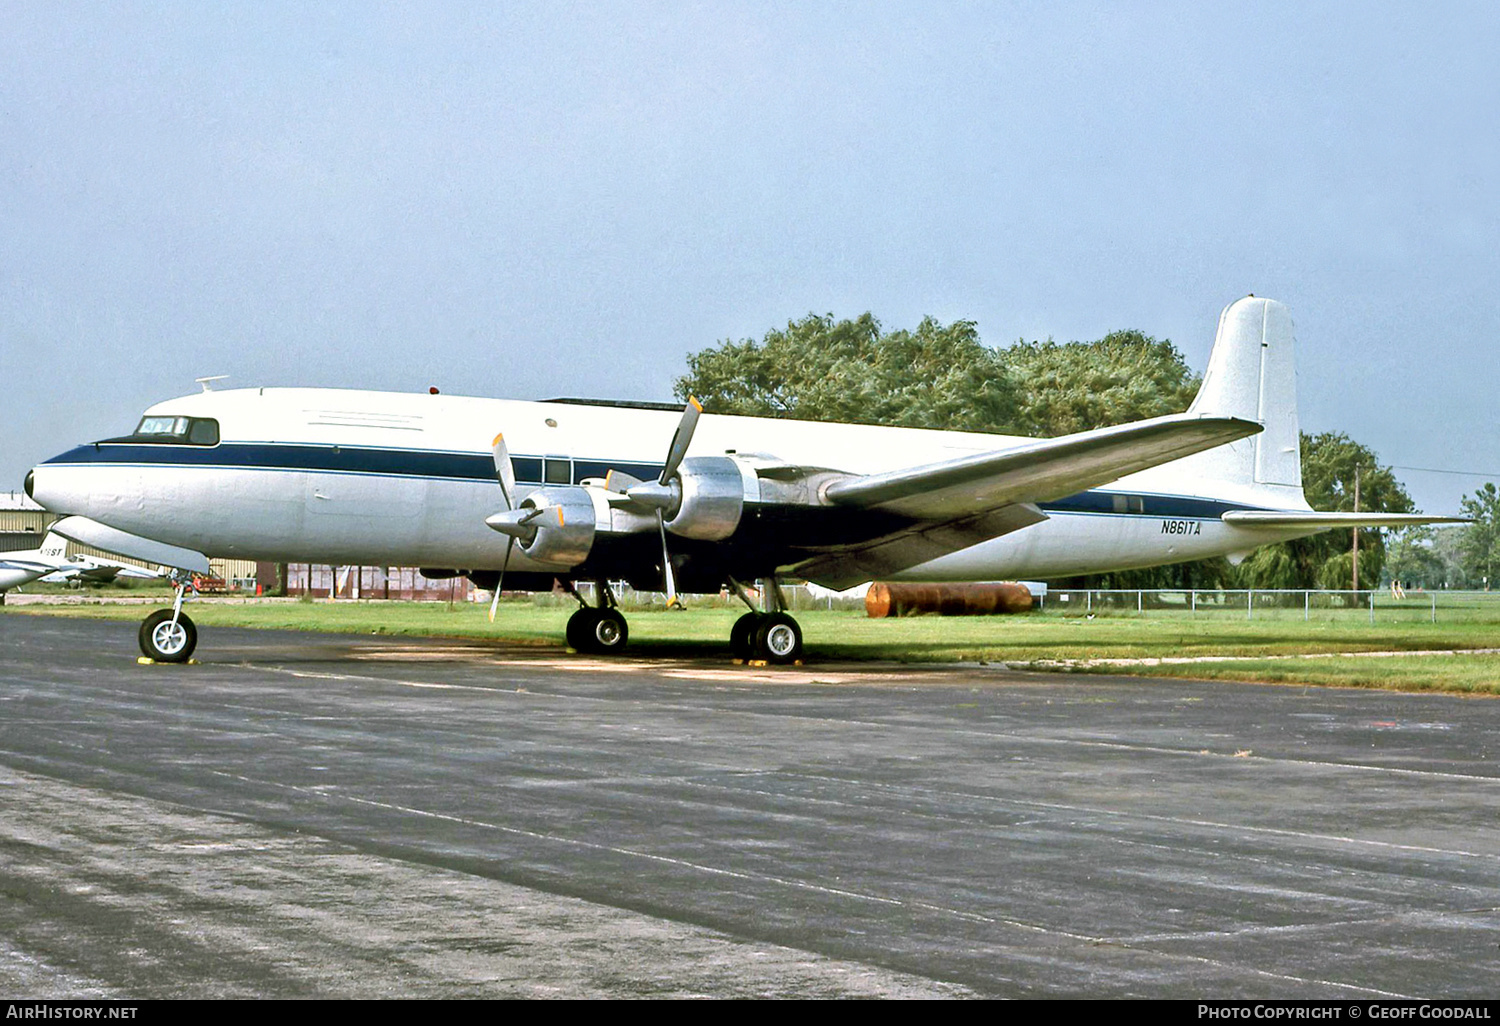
50 562
354 477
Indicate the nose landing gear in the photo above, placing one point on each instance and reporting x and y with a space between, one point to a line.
169 635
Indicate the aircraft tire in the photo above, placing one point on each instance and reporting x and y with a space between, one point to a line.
610 632
580 630
162 643
742 636
778 639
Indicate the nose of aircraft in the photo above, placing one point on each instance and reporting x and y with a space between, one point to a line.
41 488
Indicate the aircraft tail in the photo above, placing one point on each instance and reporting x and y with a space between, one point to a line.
54 546
1252 374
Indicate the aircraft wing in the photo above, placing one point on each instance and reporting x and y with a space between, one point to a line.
139 573
36 567
29 565
106 570
962 502
1037 471
97 571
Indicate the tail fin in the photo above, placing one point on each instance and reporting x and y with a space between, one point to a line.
54 546
1252 374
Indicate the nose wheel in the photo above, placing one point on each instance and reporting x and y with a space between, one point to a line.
169 635
165 638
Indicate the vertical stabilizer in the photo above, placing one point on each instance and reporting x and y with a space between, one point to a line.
1252 373
54 546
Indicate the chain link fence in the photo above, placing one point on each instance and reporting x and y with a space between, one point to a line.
1276 604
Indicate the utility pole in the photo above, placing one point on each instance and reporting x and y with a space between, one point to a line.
1355 554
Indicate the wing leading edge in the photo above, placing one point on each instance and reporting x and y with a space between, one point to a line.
962 502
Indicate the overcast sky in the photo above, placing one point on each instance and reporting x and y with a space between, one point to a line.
535 200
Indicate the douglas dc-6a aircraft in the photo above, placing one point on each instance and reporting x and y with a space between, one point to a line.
579 491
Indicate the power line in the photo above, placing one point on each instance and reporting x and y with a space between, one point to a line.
1460 473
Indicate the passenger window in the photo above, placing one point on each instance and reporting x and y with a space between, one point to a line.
558 472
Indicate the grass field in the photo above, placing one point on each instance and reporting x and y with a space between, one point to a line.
1267 648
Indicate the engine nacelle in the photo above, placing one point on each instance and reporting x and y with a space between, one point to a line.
713 497
564 529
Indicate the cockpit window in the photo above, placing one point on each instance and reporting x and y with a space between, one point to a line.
174 430
163 426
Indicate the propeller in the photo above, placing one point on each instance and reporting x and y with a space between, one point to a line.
666 492
510 521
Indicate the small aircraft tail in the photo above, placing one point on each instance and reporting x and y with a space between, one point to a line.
1252 374
54 546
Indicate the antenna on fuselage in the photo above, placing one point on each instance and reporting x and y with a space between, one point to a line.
208 383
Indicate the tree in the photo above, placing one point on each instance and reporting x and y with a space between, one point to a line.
818 368
1447 546
1412 559
1479 545
1122 377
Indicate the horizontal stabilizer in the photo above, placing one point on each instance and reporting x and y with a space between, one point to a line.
111 539
1309 519
1038 471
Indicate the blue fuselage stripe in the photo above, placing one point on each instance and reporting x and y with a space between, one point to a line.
461 466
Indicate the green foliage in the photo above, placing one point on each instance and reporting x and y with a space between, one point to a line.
1447 546
1479 545
1274 566
1413 559
938 376
1122 377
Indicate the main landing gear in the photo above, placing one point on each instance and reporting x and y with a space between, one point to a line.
597 630
772 635
169 635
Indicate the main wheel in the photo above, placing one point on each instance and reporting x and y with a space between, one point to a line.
610 632
165 642
581 629
742 636
778 639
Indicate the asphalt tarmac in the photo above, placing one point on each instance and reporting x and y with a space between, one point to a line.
317 815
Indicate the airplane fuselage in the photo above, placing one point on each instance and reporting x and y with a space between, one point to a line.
355 477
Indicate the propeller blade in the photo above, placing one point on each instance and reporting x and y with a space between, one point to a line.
681 438
505 471
510 522
500 581
619 481
666 562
